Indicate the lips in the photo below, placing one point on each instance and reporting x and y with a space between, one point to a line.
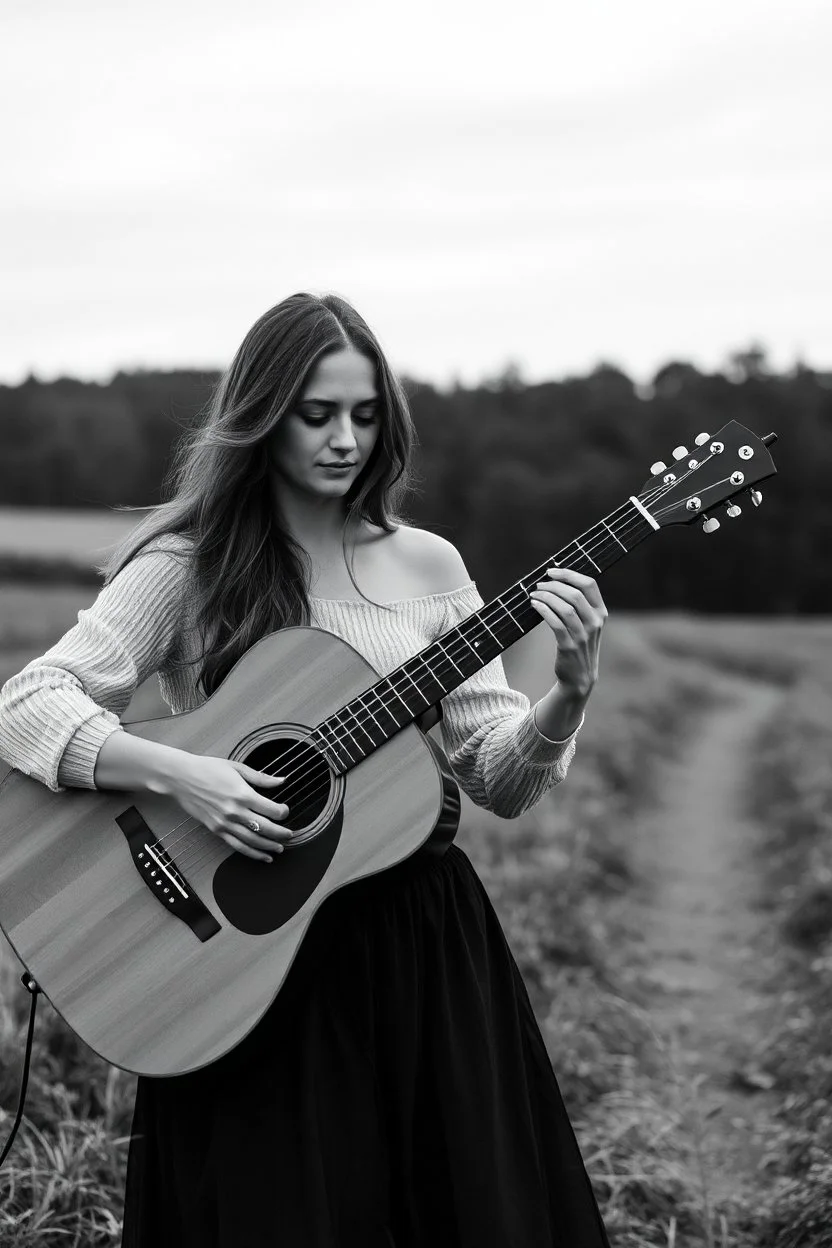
349 465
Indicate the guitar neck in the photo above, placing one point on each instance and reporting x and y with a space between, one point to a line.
366 722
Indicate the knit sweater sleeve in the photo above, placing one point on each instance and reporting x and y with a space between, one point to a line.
57 711
498 754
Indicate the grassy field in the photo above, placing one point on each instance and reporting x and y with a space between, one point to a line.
41 545
564 883
34 533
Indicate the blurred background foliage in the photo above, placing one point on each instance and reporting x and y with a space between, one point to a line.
509 471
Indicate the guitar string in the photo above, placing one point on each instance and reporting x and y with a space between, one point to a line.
315 785
303 747
209 849
292 755
206 849
503 608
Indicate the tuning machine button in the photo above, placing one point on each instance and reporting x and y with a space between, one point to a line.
680 452
657 467
701 439
710 525
733 510
756 497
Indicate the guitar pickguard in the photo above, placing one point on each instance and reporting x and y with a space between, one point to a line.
258 897
245 891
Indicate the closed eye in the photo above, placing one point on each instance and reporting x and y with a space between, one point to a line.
364 416
317 421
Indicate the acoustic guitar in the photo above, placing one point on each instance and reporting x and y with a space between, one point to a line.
159 945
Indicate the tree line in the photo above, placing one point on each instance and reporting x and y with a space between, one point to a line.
509 471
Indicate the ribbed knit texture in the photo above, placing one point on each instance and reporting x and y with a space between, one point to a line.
56 713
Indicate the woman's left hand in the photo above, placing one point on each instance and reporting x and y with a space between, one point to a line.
571 604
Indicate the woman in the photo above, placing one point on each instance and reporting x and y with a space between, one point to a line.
398 1091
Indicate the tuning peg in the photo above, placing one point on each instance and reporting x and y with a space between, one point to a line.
702 438
756 497
657 467
733 510
710 525
680 452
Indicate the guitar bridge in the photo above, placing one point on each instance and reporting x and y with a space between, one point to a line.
165 881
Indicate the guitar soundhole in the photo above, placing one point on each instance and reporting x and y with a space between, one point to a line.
308 787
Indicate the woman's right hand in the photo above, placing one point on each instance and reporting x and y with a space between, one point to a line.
218 793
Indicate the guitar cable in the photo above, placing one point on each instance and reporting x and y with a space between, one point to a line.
33 989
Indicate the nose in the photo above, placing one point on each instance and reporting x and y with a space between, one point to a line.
343 435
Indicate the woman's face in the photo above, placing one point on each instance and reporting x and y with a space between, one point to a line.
335 420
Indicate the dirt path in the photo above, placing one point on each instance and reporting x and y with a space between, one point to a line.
706 947
705 956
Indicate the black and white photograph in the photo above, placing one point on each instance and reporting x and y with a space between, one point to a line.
415 625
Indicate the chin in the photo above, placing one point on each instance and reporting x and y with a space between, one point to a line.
331 487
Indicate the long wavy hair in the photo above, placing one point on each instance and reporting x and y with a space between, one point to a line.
249 576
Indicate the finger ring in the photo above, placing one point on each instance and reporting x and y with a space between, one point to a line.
254 825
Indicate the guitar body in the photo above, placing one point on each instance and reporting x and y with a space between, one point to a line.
161 971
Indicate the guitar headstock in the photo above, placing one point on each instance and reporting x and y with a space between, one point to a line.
720 467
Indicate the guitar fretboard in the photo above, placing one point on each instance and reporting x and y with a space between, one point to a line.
377 714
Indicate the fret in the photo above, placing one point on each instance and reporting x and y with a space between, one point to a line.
615 535
345 735
493 634
588 558
406 674
487 642
478 639
369 711
399 696
355 720
329 749
450 656
511 617
363 726
468 644
377 693
427 664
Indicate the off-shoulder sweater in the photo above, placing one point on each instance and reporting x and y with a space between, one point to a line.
58 710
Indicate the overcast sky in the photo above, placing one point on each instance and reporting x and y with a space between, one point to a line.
547 183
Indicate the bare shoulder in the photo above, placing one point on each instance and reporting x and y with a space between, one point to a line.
434 561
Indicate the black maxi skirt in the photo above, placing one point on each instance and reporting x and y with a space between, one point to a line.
397 1094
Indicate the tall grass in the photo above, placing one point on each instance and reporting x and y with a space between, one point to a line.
792 797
